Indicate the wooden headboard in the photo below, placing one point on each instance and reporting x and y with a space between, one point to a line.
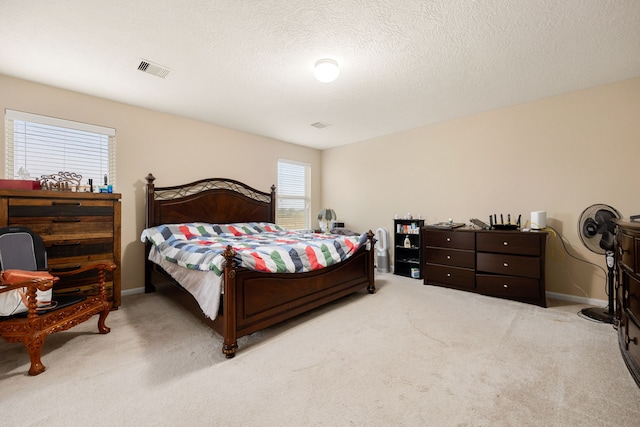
212 200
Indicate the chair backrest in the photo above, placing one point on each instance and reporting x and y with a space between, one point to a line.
22 249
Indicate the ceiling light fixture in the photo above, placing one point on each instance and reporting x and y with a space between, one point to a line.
326 70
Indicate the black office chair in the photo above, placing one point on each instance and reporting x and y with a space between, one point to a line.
23 262
22 249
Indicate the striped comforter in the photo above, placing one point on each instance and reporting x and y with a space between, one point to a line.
259 246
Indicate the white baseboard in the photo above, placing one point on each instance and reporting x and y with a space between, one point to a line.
133 291
574 298
554 295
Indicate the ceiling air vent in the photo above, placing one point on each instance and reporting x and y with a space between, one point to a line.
320 125
151 68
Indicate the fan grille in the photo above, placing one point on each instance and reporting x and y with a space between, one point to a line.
596 228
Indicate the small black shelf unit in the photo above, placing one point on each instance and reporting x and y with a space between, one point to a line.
407 261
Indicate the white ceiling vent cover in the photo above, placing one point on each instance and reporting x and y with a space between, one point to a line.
151 68
320 125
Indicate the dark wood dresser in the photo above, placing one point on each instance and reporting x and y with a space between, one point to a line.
504 264
77 228
627 293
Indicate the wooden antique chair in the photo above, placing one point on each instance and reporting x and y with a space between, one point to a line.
23 263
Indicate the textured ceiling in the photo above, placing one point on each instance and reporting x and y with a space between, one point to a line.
248 64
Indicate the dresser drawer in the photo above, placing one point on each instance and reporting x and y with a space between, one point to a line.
40 207
632 304
628 248
508 286
513 265
66 221
632 341
453 257
461 278
508 243
450 239
79 249
85 283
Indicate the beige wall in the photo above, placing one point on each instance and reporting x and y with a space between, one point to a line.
174 149
558 154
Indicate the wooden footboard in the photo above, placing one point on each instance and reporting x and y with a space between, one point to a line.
253 301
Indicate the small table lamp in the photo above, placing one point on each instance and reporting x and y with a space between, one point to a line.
325 217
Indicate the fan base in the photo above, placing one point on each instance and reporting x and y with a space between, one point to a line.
598 314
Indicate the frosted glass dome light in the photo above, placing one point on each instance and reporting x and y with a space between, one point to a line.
326 70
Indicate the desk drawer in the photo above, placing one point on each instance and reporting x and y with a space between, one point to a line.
508 243
512 265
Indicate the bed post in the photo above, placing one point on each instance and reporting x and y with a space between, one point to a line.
370 269
273 203
230 343
148 267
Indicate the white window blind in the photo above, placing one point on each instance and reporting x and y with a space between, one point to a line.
40 145
294 201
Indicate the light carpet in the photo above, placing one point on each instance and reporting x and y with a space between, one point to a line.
410 355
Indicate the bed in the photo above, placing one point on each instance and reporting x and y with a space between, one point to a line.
248 300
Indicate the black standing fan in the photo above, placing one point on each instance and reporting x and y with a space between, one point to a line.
597 232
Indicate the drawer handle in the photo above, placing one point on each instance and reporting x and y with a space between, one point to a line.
67 244
64 269
66 203
505 285
506 264
505 243
629 340
448 239
448 256
67 220
448 274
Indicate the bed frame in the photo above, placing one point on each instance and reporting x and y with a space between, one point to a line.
252 300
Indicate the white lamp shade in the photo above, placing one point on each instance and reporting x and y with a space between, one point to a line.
326 70
325 217
327 214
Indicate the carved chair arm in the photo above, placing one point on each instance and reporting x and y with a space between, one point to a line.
39 284
32 281
15 279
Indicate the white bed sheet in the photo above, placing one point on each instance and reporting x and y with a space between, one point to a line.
205 286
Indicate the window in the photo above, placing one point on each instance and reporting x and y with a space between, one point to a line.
294 201
39 145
